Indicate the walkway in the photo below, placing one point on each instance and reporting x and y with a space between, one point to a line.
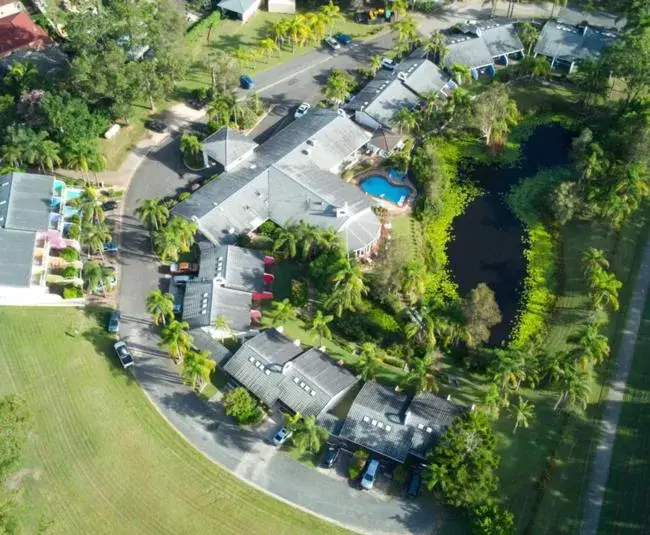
612 413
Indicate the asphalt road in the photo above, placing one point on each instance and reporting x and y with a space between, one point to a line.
247 454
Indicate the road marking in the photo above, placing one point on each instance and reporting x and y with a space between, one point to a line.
294 74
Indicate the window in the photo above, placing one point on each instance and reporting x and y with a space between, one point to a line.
388 428
302 384
380 425
251 359
366 419
420 426
267 372
374 422
429 430
296 380
313 393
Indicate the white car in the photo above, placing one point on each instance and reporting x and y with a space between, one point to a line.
388 63
123 354
302 110
332 43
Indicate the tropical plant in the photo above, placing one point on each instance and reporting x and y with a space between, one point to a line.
494 113
308 436
90 203
196 369
319 325
461 73
435 47
92 274
592 346
405 120
161 306
528 35
176 340
349 287
407 33
593 260
575 387
604 288
523 412
421 376
268 46
95 236
331 14
190 144
222 325
153 213
338 86
509 369
286 240
369 362
375 64
283 312
239 404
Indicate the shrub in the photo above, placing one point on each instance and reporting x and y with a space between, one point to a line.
268 228
72 292
357 463
76 219
242 406
184 196
298 293
69 272
74 231
69 254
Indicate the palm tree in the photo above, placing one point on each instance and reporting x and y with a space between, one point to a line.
176 340
405 120
308 436
528 35
190 144
400 8
95 236
591 164
592 260
349 287
197 367
281 30
435 47
48 155
153 213
375 63
338 86
435 475
593 346
161 306
575 388
286 240
407 32
222 324
369 361
331 15
90 203
165 244
283 312
268 46
319 325
461 73
183 231
12 154
420 376
604 290
509 370
523 412
317 24
92 274
327 239
242 56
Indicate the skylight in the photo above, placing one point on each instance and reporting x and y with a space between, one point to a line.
366 419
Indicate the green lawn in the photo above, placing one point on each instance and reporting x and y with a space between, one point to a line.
626 509
100 459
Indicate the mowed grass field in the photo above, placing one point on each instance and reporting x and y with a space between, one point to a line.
100 459
626 509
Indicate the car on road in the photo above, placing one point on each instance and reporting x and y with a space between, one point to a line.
114 322
123 354
183 268
109 205
343 38
332 43
246 81
282 436
331 455
413 489
302 110
182 279
388 63
110 247
156 125
368 479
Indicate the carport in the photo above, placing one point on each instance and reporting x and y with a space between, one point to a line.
239 9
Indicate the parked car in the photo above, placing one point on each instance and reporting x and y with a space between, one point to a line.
123 354
110 247
109 205
332 43
413 489
197 104
331 455
114 322
343 38
302 110
156 125
182 279
388 63
368 479
183 268
282 436
246 81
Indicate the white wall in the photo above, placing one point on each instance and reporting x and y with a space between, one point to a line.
10 9
250 11
281 6
364 119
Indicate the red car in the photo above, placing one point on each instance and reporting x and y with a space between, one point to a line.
183 268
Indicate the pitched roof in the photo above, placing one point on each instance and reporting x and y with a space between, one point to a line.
25 201
227 145
204 342
600 19
19 31
423 76
394 424
469 51
273 368
234 267
236 6
570 43
16 257
205 301
482 42
501 39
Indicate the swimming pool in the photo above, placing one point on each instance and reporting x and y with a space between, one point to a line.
379 186
72 193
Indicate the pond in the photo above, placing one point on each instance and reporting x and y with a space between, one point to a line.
487 245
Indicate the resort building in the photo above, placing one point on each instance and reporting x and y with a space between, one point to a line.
282 374
229 281
33 220
481 46
566 45
289 178
395 425
574 16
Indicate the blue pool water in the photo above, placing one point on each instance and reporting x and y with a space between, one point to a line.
58 186
69 211
72 193
379 186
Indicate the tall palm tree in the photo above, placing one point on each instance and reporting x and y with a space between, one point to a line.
317 24
523 411
400 8
349 287
176 340
327 239
405 120
92 275
435 475
509 370
281 30
435 47
331 15
308 436
575 386
286 240
461 73
190 144
375 63
369 361
528 35
222 324
161 306
90 203
165 244
241 56
592 260
604 290
407 33
421 377
283 311
591 164
153 213
184 232
197 367
338 86
95 236
319 325
593 346
49 155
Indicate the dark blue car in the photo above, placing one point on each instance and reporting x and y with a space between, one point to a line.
246 81
114 322
343 38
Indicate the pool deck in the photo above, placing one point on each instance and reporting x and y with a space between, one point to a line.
392 208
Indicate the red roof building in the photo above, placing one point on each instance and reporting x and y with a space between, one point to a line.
20 32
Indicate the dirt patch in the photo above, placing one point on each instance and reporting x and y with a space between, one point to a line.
15 481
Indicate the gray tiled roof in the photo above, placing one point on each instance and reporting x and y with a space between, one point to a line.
236 6
469 51
233 267
501 39
205 301
570 43
273 368
377 407
423 76
25 201
361 230
204 342
227 145
197 303
16 255
286 180
574 16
